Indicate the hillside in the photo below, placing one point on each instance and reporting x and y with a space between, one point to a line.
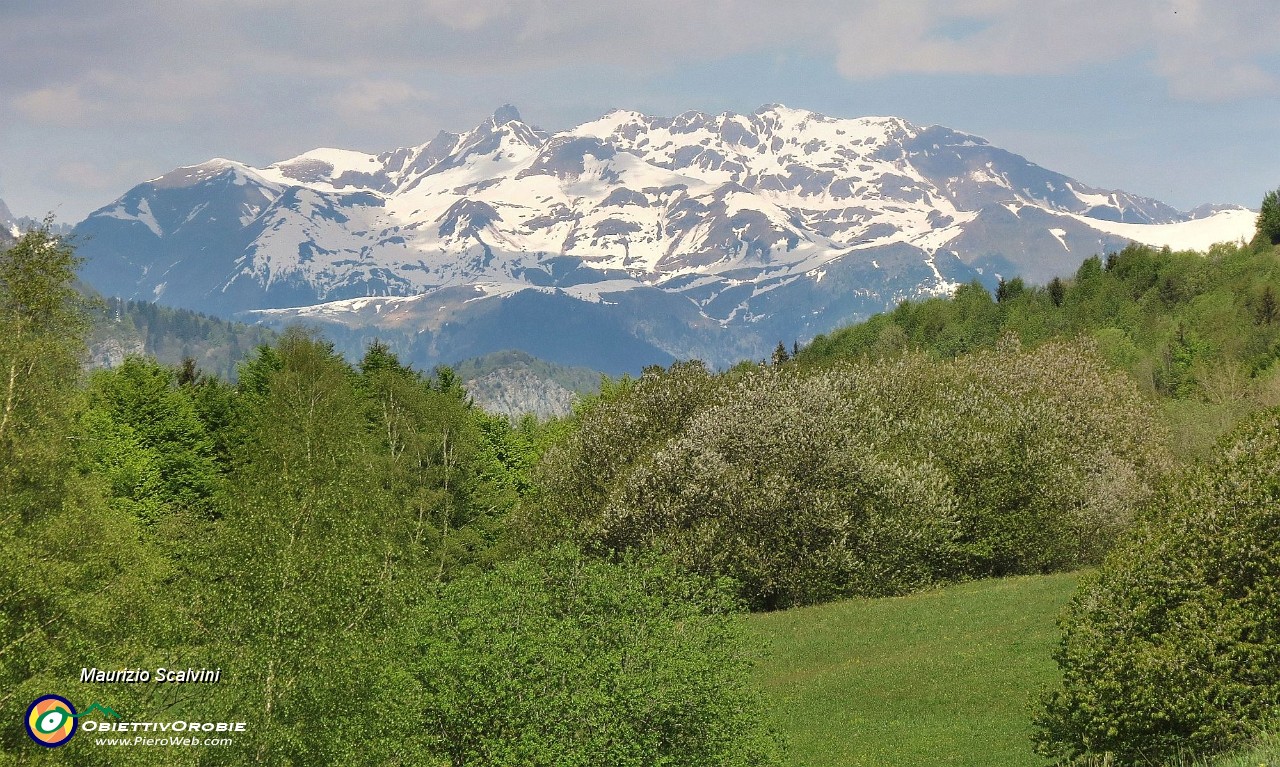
122 328
615 548
514 383
1198 331
945 677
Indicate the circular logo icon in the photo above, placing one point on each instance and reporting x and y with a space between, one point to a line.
51 720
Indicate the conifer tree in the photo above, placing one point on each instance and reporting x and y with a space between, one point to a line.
1057 291
1269 219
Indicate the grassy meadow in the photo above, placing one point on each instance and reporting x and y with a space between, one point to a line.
943 677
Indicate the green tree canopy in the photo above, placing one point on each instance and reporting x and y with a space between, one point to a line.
140 402
1173 650
557 661
302 572
41 340
73 576
867 477
1269 219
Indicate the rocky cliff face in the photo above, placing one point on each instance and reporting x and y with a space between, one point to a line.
514 383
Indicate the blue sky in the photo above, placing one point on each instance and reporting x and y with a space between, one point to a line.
1174 99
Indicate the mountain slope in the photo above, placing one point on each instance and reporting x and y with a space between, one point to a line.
515 383
9 231
698 235
122 328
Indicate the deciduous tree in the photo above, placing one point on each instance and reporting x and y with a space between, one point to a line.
1173 649
302 570
557 660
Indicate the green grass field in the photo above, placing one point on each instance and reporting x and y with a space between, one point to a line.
945 677
1265 754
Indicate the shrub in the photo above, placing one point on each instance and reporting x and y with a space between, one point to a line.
1175 647
1047 450
561 661
787 488
869 477
614 435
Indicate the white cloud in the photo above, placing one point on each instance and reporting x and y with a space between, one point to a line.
1206 50
118 97
172 62
85 175
166 82
1219 51
55 105
376 99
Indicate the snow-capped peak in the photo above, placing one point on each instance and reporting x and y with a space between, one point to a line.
727 212
338 161
612 122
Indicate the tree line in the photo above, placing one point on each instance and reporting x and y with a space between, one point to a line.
333 537
1198 332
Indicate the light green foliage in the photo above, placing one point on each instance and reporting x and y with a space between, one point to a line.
1141 291
1193 327
973 321
1174 648
147 437
559 661
303 572
1047 451
871 477
444 467
626 422
69 568
1010 289
786 486
215 403
290 530
130 470
74 591
41 339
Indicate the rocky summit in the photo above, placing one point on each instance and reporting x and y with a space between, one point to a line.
624 241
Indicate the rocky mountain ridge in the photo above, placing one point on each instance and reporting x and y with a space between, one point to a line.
623 241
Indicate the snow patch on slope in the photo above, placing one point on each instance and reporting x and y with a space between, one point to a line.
142 215
1197 234
1061 235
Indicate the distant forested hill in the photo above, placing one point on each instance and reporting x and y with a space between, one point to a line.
513 383
121 328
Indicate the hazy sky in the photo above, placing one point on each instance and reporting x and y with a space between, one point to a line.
1175 99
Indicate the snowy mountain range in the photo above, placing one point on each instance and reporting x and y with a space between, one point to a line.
624 241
